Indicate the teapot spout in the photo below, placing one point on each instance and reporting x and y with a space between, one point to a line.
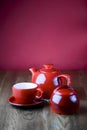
32 70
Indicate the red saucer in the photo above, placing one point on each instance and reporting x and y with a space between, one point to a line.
12 101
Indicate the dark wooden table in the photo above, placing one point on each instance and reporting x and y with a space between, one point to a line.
40 117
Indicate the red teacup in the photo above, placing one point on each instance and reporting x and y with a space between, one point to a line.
26 92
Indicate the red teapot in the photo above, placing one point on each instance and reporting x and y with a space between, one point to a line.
46 78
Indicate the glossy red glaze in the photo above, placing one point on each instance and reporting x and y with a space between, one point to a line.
26 95
64 100
47 79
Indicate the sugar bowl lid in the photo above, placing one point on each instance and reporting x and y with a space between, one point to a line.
64 90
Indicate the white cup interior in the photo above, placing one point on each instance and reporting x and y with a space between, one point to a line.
25 85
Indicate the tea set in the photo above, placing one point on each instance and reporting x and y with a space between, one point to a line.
48 84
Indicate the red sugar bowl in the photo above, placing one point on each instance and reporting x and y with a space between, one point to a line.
64 99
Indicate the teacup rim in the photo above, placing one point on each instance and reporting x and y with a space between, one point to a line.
16 85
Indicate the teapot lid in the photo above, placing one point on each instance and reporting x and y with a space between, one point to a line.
65 90
48 68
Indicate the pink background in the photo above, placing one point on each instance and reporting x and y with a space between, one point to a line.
35 32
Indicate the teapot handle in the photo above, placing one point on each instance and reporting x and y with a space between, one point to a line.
65 76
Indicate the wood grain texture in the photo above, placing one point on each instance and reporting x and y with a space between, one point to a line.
40 117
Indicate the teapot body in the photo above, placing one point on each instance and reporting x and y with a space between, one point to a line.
47 79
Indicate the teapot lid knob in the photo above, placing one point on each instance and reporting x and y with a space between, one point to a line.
48 66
